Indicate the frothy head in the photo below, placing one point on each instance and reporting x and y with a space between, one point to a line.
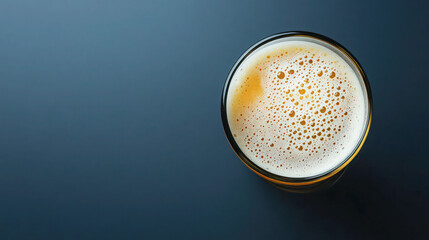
296 108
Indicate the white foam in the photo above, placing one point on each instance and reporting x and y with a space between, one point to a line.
328 109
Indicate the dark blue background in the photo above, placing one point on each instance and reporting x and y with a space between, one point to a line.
110 123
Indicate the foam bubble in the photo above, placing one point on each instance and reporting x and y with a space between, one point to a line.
295 108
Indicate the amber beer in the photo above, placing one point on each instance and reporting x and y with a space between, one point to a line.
296 109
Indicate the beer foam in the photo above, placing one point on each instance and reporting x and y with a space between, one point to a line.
296 108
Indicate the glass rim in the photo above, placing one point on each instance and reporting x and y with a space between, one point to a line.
295 180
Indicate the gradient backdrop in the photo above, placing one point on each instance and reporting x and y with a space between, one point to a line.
110 122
